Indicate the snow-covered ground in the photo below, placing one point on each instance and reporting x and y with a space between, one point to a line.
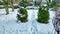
9 24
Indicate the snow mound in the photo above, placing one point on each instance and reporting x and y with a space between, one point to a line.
9 24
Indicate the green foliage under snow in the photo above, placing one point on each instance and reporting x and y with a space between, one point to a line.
24 15
43 14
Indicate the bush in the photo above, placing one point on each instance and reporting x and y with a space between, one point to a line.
23 4
37 3
43 14
53 3
1 3
22 15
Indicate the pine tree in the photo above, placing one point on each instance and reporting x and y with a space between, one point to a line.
43 14
22 13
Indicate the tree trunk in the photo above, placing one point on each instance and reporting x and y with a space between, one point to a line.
6 7
12 5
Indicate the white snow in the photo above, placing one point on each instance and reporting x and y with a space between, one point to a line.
9 24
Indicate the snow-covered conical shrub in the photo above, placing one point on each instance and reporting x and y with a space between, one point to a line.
43 14
22 15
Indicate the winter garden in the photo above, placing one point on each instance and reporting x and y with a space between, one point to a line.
27 18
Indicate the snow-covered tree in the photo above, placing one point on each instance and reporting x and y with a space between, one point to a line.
22 13
43 14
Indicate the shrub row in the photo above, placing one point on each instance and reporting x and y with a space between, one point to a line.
43 15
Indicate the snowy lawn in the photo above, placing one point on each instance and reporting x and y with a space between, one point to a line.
9 24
